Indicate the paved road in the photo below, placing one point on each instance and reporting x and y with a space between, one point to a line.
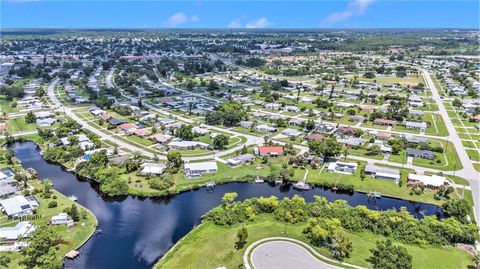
468 171
287 253
69 112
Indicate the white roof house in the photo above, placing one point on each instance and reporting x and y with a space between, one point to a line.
432 181
61 219
152 168
200 168
81 138
200 130
43 114
342 167
21 230
291 132
382 172
416 125
19 205
187 144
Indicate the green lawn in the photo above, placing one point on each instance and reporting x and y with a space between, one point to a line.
18 125
473 154
192 253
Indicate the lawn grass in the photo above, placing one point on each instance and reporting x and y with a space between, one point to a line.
192 253
18 125
473 154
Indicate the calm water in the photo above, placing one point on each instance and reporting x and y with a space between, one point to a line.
136 232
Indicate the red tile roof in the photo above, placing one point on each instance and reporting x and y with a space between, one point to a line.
127 126
270 150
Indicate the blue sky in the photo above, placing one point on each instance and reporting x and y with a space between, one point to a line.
240 14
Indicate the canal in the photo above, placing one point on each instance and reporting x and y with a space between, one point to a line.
136 232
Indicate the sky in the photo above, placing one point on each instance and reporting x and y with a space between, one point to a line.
240 14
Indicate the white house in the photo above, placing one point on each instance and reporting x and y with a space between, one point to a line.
382 173
10 235
265 128
432 181
192 170
19 205
152 169
416 125
291 132
342 167
62 219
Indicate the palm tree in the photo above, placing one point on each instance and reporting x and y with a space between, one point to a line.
331 92
345 153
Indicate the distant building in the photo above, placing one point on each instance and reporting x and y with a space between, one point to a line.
270 151
431 182
240 159
423 154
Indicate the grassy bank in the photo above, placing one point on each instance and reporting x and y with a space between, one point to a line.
192 253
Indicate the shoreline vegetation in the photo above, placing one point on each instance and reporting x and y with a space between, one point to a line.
293 218
138 185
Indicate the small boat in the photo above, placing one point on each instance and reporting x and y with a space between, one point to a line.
31 171
278 182
258 180
210 185
73 198
374 194
301 186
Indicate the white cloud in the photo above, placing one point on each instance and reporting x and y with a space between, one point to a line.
258 23
180 18
354 8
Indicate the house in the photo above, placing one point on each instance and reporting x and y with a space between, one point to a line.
357 118
142 132
187 145
43 114
423 154
291 133
383 135
352 141
199 130
119 160
62 219
240 159
246 124
265 128
272 106
342 167
386 149
6 190
105 117
270 151
97 112
416 140
115 122
46 122
9 236
162 139
192 170
431 182
152 169
416 125
19 205
81 138
344 130
128 127
379 172
313 137
296 122
385 122
291 109
325 128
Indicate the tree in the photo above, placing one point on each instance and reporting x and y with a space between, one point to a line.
4 261
40 251
457 102
242 235
456 208
220 141
174 160
30 117
326 147
229 197
185 132
388 256
345 153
